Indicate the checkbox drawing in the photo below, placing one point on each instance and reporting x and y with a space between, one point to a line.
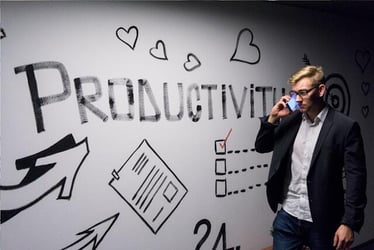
220 167
220 147
221 188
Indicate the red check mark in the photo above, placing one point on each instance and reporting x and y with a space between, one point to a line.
227 137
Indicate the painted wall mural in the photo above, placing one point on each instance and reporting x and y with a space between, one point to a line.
131 125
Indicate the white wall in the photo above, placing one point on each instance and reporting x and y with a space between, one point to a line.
207 186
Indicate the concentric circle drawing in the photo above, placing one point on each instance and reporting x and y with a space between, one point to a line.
337 93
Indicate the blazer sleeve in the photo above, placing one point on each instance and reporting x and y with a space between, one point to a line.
265 137
355 175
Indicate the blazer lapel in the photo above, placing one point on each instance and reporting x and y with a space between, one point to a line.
323 135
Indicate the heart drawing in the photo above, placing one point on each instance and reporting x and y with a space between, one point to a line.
362 58
365 88
246 51
192 62
159 52
128 36
365 111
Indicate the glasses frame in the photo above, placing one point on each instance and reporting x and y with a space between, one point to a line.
302 92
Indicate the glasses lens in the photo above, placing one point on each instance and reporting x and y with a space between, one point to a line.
303 92
292 92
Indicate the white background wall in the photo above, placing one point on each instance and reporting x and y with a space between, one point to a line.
89 39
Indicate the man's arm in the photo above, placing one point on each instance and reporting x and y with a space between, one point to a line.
265 137
355 176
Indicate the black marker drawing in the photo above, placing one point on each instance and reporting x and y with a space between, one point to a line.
2 33
306 59
148 186
53 168
223 173
337 93
245 50
365 88
221 236
85 101
93 236
130 99
362 59
128 36
192 62
39 101
365 111
159 51
145 88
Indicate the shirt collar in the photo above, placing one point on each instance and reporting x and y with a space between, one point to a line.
319 118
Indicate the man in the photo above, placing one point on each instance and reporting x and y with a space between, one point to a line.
313 148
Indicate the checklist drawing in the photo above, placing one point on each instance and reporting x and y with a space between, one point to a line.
148 185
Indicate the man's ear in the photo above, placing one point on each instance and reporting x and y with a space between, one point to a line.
322 89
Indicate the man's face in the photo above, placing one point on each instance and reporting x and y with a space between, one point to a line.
307 93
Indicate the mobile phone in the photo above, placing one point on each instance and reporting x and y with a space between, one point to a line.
292 104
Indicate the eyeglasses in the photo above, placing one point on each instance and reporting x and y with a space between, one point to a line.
302 92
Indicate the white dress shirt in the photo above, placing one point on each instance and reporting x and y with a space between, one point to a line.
297 202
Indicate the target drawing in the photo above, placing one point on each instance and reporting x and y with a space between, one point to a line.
337 93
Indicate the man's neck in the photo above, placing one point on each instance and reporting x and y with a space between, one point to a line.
313 113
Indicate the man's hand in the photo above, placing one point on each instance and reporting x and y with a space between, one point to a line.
344 237
279 110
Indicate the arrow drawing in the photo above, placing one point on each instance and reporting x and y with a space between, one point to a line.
94 235
2 33
53 168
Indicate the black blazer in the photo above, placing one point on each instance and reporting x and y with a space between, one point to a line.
339 152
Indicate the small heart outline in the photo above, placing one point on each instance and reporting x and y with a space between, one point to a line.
193 64
239 41
159 51
365 111
130 30
365 88
362 59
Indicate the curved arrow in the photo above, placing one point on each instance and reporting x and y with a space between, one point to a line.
93 235
55 167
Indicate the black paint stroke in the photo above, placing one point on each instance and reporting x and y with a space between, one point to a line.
180 114
130 98
337 93
365 111
66 183
38 101
85 101
159 51
192 62
365 88
123 35
362 59
2 33
195 115
242 42
306 59
238 109
148 186
94 235
144 87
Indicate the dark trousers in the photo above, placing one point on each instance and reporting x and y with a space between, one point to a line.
290 233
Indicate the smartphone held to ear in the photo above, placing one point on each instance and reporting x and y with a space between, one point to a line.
292 104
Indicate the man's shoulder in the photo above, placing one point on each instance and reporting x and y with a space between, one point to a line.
339 116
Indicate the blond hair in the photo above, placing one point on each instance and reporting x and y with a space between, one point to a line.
310 71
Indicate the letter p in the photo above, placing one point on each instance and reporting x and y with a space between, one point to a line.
38 101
